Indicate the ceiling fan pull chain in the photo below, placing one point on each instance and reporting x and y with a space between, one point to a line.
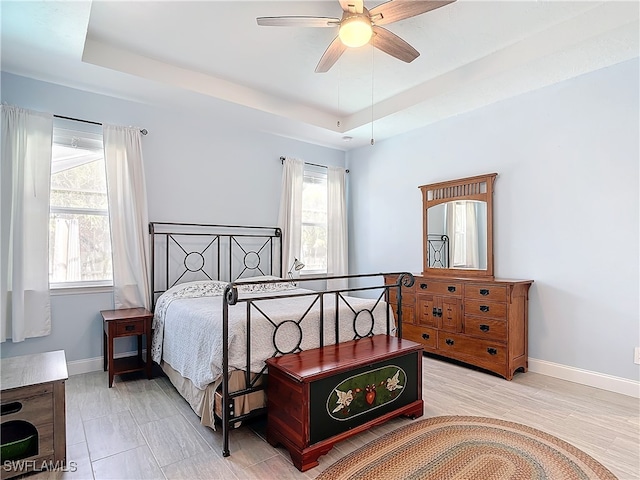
339 83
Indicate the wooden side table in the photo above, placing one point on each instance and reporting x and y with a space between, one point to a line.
33 413
127 322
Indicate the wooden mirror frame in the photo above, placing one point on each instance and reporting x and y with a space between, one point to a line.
470 188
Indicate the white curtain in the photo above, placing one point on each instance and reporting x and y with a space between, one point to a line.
471 237
337 238
290 215
24 235
128 216
462 229
450 228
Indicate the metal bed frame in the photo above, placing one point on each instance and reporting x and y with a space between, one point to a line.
221 242
438 250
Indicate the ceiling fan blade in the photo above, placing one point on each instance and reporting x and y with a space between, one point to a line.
331 55
393 11
392 44
352 6
301 21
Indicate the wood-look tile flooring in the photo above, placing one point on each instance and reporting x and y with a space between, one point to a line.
142 429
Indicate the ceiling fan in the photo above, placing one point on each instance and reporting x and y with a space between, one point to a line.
359 26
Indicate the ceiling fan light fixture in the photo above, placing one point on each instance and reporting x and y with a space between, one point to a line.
355 31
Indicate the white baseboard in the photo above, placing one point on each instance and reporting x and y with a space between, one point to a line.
571 374
586 377
95 364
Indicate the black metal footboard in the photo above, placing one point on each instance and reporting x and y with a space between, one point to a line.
362 325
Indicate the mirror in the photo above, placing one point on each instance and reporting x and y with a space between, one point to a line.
458 230
458 235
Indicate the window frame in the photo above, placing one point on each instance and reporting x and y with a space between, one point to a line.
321 173
74 137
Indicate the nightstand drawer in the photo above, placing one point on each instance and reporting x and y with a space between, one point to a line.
131 327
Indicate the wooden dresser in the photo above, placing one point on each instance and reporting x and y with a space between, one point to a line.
33 413
479 322
456 307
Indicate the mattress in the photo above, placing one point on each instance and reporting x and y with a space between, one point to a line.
188 326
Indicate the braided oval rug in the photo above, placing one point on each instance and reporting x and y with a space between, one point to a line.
466 448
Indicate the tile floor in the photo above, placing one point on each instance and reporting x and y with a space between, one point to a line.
142 429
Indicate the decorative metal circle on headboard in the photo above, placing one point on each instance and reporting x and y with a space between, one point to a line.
364 313
252 260
194 261
284 333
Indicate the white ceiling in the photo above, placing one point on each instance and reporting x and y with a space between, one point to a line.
212 54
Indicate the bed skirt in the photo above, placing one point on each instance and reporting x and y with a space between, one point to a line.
205 402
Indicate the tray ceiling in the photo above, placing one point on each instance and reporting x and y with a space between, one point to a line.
212 54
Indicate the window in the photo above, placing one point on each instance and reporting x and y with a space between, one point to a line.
79 236
314 220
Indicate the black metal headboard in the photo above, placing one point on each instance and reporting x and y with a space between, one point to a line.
184 252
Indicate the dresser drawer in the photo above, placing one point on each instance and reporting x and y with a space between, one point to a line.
425 285
488 291
408 312
483 308
135 327
407 296
487 328
426 336
486 352
393 280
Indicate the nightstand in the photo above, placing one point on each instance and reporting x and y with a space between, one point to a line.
126 322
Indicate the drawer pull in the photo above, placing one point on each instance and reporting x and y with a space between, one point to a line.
130 328
448 341
492 351
484 328
423 286
484 308
451 289
426 336
484 292
9 408
435 312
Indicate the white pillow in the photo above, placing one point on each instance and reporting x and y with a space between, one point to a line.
258 278
264 287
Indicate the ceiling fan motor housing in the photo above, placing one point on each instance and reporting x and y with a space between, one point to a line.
355 29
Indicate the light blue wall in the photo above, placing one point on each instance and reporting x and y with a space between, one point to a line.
566 208
566 201
200 166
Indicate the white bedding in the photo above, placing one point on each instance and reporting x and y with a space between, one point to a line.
188 326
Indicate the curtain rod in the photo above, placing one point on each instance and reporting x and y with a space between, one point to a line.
143 131
308 163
